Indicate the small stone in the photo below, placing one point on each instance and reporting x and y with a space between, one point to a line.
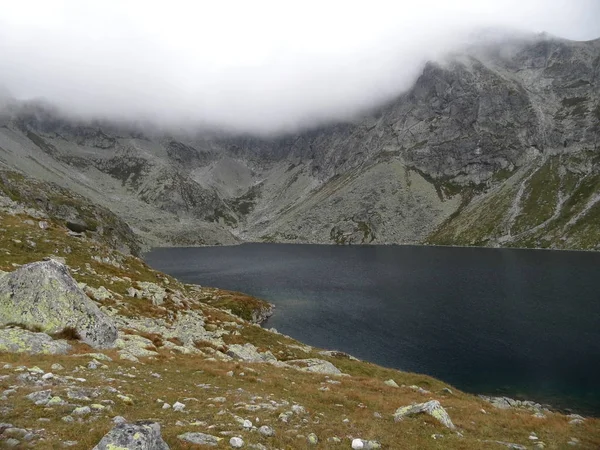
118 420
177 406
55 401
200 438
298 409
81 411
15 432
12 442
358 444
40 397
166 406
312 439
266 431
68 419
48 376
247 424
391 383
230 373
125 399
236 442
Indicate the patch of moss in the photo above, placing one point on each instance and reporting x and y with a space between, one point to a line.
540 197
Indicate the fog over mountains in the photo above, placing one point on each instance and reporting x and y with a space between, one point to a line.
496 145
259 67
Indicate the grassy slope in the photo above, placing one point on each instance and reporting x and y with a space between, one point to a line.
356 398
541 221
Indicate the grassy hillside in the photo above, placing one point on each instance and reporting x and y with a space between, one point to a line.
552 202
218 392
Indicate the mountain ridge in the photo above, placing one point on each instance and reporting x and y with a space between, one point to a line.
474 130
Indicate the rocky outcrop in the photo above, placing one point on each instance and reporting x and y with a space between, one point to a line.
433 408
200 439
44 295
142 435
249 353
507 403
17 340
315 365
262 313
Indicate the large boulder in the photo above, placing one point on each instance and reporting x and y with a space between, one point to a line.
17 340
44 295
249 353
315 365
142 435
432 407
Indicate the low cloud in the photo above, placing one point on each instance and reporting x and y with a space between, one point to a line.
252 66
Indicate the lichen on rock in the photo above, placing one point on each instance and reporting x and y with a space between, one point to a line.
43 294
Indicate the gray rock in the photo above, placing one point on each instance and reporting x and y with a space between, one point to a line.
40 397
236 442
314 365
44 294
17 340
177 406
266 430
510 445
200 438
433 408
142 435
249 353
312 439
82 411
391 383
11 442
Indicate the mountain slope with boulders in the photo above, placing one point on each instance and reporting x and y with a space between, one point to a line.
99 351
497 146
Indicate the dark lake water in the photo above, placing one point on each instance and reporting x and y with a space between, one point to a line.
522 323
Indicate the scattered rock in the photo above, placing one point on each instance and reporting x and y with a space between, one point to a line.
18 340
200 438
82 411
433 408
177 406
312 439
315 365
236 442
142 435
266 431
391 383
249 353
40 397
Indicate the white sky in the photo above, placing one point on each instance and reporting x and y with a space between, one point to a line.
250 65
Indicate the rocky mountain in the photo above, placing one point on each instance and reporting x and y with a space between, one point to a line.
496 145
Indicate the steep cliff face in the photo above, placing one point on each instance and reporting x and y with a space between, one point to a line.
497 145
